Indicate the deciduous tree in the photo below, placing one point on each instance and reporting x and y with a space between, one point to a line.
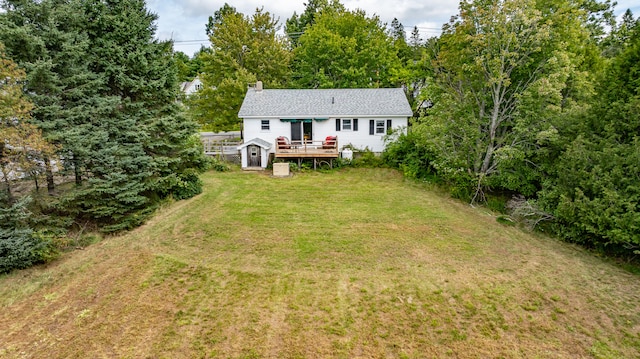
22 147
296 25
345 49
243 50
508 75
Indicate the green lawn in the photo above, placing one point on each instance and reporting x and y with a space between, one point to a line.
355 263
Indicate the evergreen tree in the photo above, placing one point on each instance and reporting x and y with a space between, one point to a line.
414 40
397 31
47 39
20 246
619 35
595 193
146 150
415 66
111 105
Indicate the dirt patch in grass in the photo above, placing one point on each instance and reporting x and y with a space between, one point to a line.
354 263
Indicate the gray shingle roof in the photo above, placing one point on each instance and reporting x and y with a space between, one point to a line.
325 103
256 141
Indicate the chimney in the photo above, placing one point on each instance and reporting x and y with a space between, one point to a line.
258 86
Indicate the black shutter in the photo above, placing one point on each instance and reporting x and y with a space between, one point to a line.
355 124
372 125
388 126
337 124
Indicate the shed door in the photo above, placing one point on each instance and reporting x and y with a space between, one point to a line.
253 154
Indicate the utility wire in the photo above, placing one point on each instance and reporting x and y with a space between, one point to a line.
298 33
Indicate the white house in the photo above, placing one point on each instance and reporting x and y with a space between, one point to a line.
306 120
318 123
191 87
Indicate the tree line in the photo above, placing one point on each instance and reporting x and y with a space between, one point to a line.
530 106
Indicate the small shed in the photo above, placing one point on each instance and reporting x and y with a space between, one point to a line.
255 154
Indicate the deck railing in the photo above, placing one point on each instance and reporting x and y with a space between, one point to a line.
306 148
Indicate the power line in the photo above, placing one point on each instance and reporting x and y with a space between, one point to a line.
186 41
298 33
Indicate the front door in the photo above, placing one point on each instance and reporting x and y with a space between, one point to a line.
253 154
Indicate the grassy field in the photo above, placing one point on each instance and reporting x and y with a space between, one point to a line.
354 263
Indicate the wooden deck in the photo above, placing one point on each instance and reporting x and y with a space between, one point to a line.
319 151
307 149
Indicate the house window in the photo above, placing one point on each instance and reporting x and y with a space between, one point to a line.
346 124
379 127
265 125
198 87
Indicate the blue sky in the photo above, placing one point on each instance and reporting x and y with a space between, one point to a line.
184 20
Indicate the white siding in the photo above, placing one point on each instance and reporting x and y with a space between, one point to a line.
253 129
189 88
360 139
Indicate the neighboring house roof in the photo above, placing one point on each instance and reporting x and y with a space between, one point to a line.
256 141
324 103
191 87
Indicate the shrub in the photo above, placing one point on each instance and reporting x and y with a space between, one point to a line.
527 211
20 246
366 158
410 154
188 186
217 165
341 162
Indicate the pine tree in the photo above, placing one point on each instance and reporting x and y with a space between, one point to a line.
106 91
397 31
414 40
146 150
47 39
